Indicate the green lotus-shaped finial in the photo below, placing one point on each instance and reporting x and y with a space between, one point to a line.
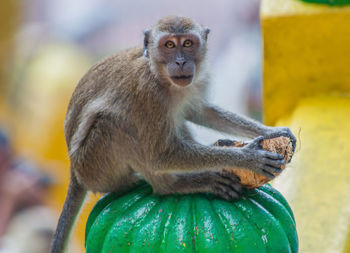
329 2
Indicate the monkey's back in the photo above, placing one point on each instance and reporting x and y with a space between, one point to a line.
105 77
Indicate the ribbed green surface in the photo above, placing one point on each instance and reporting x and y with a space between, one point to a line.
138 221
329 2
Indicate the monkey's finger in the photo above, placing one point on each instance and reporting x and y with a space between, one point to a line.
231 185
233 182
267 171
267 174
230 176
221 176
237 188
232 189
272 155
274 163
272 169
256 142
221 194
223 180
228 191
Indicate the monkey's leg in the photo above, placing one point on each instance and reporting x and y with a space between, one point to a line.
101 160
74 200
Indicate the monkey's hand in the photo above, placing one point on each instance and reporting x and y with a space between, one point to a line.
273 132
261 161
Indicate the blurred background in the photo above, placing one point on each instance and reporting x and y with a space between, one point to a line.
46 47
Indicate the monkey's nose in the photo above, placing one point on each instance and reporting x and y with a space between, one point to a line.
180 63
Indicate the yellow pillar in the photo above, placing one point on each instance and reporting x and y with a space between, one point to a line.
38 118
307 87
317 183
306 52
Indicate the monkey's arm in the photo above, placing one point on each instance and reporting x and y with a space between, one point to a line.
224 121
186 156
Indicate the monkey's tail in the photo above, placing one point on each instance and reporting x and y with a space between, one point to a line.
74 200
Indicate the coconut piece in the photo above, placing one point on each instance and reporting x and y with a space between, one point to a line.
249 179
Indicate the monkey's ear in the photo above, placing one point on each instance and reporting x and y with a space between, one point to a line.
206 32
146 34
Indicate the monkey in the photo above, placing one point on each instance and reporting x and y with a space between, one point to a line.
126 122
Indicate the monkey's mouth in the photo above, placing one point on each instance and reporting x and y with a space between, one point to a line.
182 80
182 77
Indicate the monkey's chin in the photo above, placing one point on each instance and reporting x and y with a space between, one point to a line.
182 81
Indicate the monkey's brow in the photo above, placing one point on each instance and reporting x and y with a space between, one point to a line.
177 29
170 35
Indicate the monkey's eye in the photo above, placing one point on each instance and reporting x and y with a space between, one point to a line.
170 44
188 43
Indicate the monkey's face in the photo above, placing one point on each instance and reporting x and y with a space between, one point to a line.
178 56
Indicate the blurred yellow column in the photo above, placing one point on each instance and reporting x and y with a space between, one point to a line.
38 104
307 87
306 52
35 113
317 183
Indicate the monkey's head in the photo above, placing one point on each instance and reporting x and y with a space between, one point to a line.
176 47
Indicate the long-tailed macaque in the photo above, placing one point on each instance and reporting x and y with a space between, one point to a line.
126 121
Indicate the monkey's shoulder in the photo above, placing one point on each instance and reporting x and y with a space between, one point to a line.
114 69
106 77
120 61
118 68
